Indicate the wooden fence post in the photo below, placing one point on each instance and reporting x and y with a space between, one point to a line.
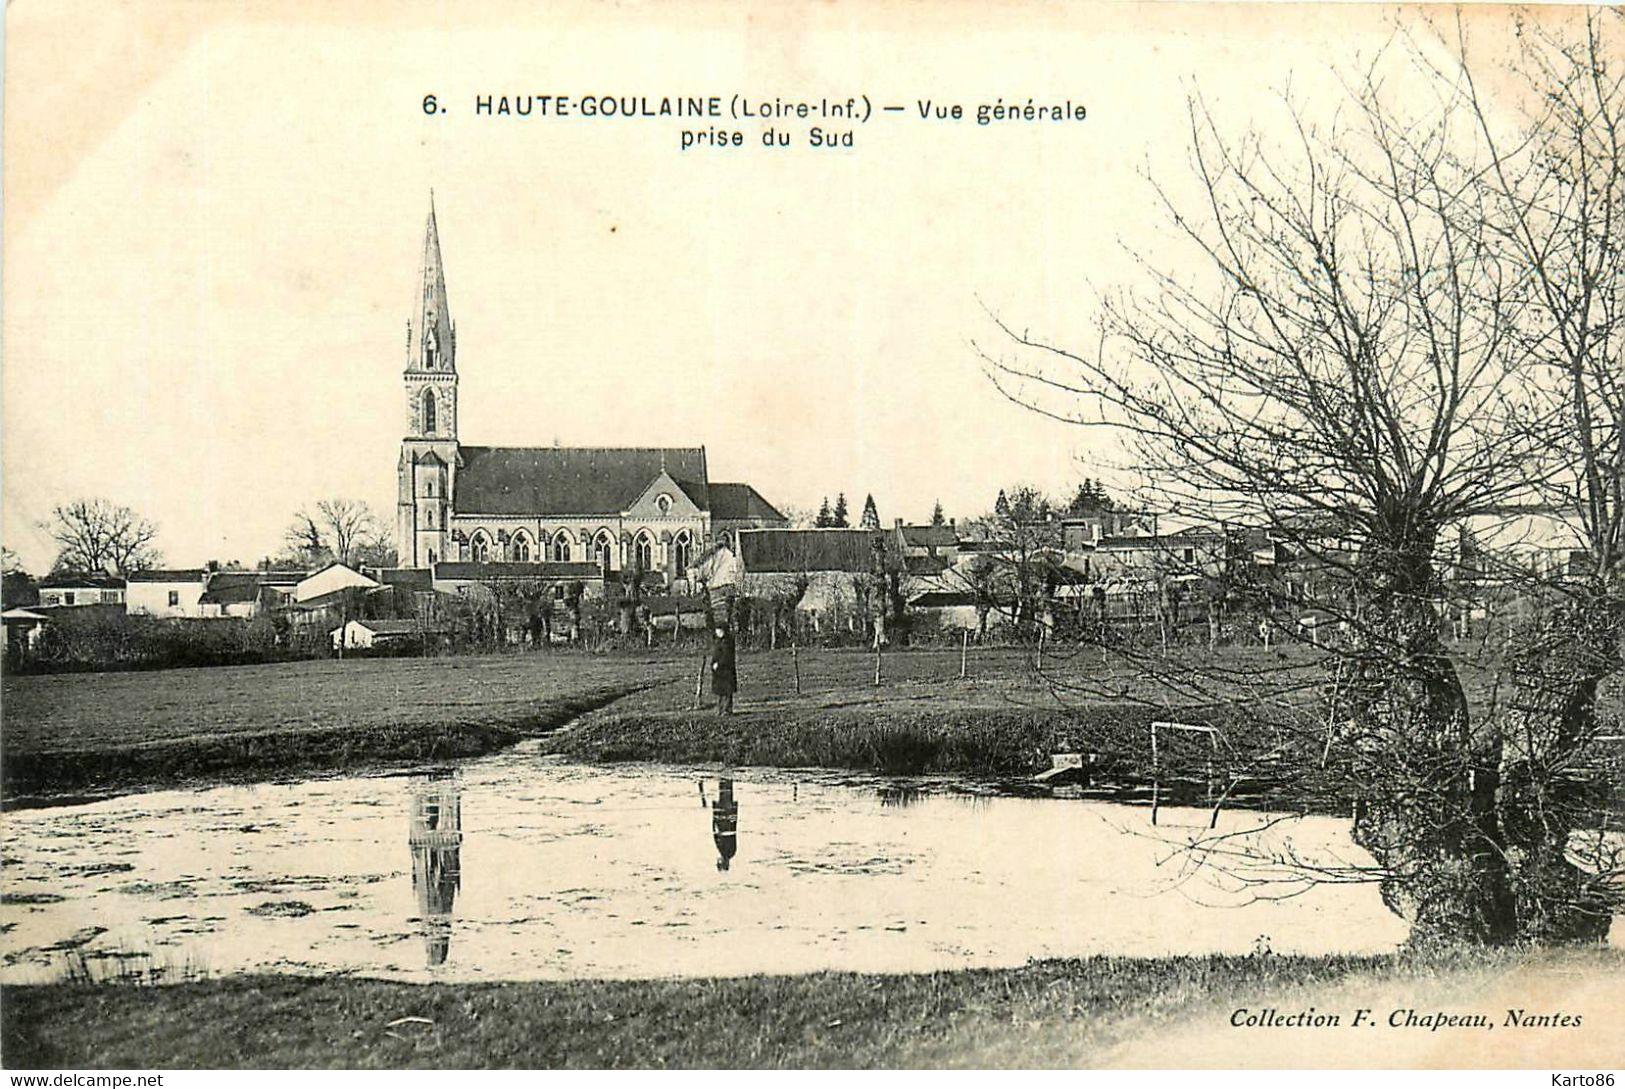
964 652
1154 775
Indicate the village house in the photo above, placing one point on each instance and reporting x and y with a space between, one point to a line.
78 589
166 593
928 548
385 634
247 594
326 598
20 630
1087 529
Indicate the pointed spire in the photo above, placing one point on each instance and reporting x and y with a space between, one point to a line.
435 347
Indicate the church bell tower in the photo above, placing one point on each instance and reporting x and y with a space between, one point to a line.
427 472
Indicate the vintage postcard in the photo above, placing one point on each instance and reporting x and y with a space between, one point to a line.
813 535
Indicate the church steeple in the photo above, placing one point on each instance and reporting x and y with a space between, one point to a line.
429 454
433 344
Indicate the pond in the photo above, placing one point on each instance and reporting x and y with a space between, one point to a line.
518 867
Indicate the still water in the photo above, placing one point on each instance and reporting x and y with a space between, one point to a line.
519 867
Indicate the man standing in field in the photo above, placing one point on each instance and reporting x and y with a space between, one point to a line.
724 673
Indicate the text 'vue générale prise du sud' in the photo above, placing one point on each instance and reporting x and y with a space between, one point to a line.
729 122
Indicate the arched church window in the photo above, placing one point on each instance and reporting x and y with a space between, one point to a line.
645 547
428 518
479 549
428 412
561 547
428 488
604 547
520 548
681 553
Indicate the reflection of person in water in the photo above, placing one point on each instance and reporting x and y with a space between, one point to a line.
436 838
725 823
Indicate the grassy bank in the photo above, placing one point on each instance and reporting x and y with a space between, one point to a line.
1002 720
1047 1014
124 731
85 733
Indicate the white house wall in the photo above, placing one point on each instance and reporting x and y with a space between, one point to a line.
327 580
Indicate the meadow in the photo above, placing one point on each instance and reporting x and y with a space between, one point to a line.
1100 1011
992 712
88 732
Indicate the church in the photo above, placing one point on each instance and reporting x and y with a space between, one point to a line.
616 508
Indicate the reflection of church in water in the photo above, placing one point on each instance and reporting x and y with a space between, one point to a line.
436 838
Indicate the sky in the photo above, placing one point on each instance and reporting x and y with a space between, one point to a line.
214 216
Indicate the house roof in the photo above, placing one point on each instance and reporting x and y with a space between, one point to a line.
794 550
395 627
942 599
236 587
187 574
928 536
486 572
20 613
742 502
334 597
1168 540
77 579
407 578
552 480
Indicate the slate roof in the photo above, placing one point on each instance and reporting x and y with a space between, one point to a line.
743 502
396 627
552 480
236 587
407 578
1165 541
335 597
75 579
928 536
943 599
189 574
766 551
484 572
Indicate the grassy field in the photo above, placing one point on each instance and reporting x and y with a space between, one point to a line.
1098 1011
86 733
1002 720
101 731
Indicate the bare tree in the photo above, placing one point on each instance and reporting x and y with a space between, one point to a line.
99 535
1557 213
1334 360
344 530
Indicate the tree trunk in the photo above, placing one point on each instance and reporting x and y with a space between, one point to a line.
1543 795
1427 785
